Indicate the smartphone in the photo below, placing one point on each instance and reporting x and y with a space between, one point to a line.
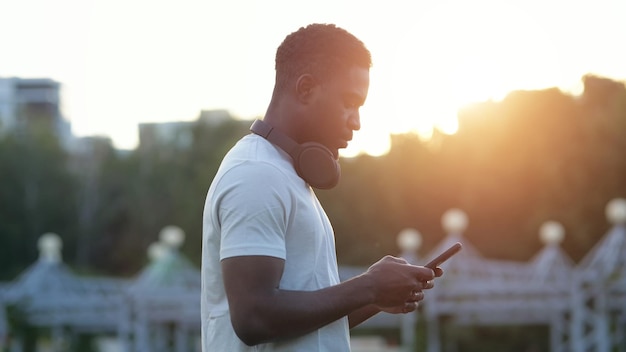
454 249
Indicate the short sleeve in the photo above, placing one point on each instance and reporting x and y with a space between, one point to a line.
252 208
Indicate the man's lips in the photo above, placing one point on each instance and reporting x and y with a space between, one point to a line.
341 143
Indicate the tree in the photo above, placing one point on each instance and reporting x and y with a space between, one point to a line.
35 197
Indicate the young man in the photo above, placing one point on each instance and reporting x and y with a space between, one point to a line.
269 268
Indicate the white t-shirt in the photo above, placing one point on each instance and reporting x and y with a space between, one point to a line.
258 205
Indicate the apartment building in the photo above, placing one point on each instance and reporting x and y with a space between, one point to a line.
27 103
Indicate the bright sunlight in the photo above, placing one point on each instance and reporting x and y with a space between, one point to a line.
458 53
430 57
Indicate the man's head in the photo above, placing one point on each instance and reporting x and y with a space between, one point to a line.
323 70
321 50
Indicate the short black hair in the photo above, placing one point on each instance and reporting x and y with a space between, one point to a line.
319 49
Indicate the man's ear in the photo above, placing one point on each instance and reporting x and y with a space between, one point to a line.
305 87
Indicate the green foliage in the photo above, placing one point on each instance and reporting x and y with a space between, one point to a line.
36 189
535 156
20 328
141 193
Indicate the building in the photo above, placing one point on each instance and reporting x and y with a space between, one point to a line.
179 134
28 103
176 134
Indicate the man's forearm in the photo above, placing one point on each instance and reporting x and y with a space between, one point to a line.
286 314
362 314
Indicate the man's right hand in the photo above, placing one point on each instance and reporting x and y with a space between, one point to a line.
397 285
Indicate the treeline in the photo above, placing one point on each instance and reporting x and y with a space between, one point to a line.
533 157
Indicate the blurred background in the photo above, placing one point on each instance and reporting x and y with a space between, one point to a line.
114 117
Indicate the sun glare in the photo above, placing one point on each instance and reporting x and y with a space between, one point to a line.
455 54
369 142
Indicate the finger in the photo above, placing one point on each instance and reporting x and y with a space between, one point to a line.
415 296
409 307
395 259
423 273
427 285
438 272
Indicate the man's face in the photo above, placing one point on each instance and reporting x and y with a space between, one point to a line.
334 114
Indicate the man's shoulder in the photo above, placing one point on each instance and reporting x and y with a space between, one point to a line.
256 153
254 162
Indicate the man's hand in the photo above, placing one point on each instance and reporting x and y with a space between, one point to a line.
412 302
398 285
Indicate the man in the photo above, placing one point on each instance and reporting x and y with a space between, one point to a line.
269 268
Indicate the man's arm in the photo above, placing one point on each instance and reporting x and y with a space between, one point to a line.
262 312
362 314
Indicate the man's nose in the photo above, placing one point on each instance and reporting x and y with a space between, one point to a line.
355 121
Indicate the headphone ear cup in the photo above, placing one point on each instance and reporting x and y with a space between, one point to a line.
313 161
317 165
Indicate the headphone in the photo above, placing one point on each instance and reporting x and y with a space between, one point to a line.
313 161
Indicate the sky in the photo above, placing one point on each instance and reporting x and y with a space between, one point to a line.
123 62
